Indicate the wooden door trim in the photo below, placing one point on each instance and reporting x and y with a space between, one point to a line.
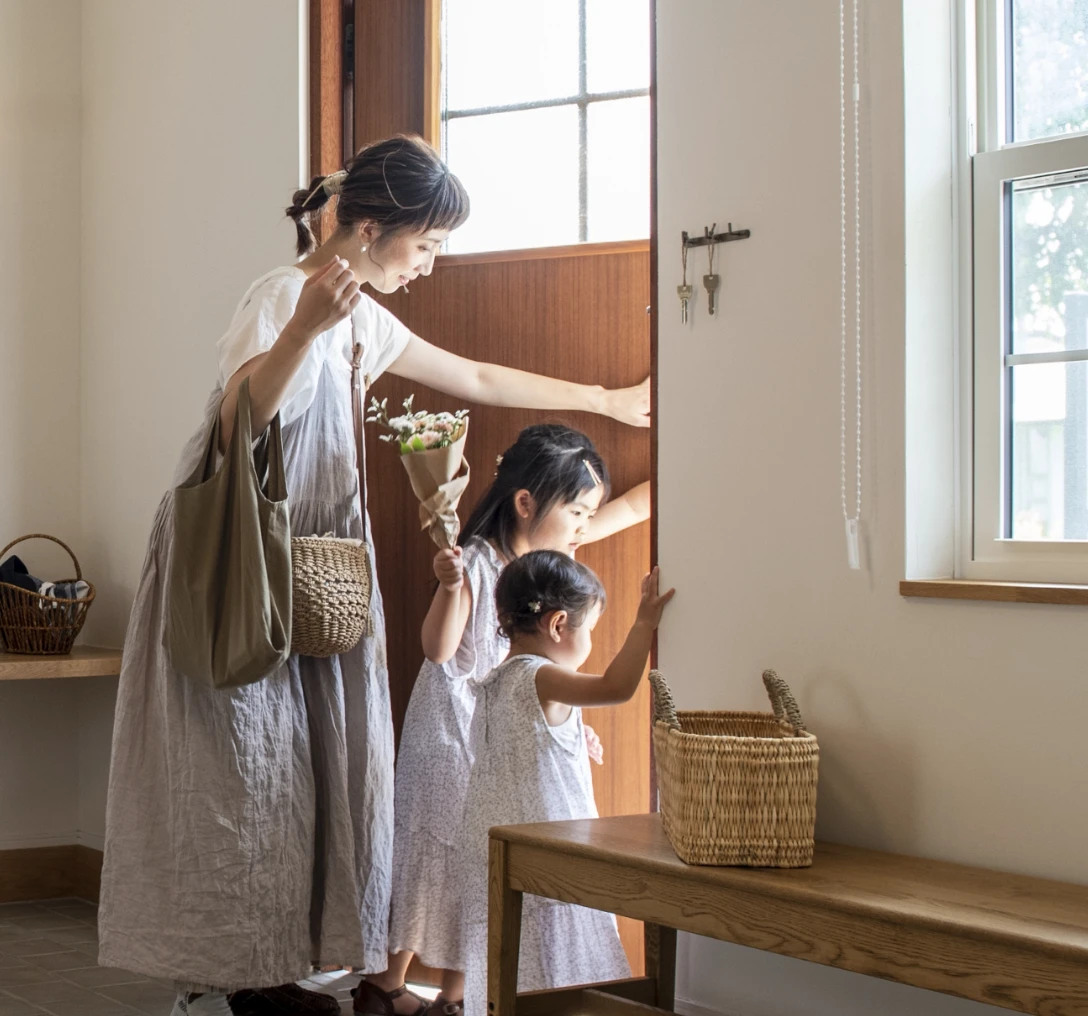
432 73
579 250
326 86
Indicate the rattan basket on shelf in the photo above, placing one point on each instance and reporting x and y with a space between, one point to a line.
37 625
737 788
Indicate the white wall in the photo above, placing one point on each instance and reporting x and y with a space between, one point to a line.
193 142
39 383
148 151
947 729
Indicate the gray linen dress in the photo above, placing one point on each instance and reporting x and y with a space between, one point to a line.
433 769
249 832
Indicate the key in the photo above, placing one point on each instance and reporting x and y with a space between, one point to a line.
684 292
711 284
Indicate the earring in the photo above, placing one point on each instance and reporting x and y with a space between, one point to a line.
363 248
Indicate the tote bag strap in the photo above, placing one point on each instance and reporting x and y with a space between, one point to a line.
357 419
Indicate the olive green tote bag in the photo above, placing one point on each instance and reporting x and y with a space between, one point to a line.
228 620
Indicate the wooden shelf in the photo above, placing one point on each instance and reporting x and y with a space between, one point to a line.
83 661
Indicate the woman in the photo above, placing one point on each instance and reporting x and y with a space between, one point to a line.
249 831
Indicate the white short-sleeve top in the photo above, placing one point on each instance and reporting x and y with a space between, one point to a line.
267 307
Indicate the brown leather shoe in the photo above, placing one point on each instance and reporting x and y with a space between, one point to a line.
284 1000
370 999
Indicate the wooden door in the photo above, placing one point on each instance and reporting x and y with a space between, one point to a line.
578 313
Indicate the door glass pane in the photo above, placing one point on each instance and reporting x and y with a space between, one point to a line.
617 45
1049 264
618 169
1049 68
1049 467
521 173
501 52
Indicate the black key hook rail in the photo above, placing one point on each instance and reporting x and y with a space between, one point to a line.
707 238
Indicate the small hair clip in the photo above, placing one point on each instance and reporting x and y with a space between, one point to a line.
534 606
498 461
333 183
592 473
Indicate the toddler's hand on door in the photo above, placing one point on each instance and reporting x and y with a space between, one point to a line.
629 405
594 746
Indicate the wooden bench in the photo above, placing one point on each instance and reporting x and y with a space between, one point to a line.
1011 941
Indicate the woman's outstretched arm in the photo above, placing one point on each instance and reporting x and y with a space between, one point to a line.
492 385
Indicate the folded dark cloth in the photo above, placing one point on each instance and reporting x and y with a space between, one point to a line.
15 573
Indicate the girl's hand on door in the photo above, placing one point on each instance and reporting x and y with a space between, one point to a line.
328 296
629 405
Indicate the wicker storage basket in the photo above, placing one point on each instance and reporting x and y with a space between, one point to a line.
737 788
38 625
330 595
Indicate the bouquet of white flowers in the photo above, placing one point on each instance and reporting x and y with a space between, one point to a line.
432 447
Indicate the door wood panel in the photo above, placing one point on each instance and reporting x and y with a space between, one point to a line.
580 318
579 313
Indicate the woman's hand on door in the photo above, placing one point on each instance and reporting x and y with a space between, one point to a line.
629 405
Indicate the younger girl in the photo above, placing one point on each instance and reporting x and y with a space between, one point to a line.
548 493
531 763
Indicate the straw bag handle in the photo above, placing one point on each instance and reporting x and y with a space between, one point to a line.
46 536
664 706
357 420
782 701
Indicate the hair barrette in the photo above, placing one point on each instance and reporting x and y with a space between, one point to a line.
334 182
592 473
534 606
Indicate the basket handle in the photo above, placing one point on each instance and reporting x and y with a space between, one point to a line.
782 701
664 706
45 536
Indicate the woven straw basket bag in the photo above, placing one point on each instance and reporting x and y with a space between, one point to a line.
41 625
330 595
737 788
331 578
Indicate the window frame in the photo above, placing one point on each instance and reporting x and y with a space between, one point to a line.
437 116
985 167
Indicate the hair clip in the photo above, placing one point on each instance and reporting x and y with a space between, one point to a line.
534 606
498 461
333 183
592 473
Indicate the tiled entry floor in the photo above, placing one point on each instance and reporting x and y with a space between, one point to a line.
49 967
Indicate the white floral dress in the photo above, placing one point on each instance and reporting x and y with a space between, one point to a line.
528 771
432 777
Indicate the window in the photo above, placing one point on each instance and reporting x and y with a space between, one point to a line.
545 116
1028 425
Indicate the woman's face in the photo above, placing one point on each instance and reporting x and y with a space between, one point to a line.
565 527
403 256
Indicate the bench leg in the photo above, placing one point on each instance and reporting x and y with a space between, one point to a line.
503 935
661 963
